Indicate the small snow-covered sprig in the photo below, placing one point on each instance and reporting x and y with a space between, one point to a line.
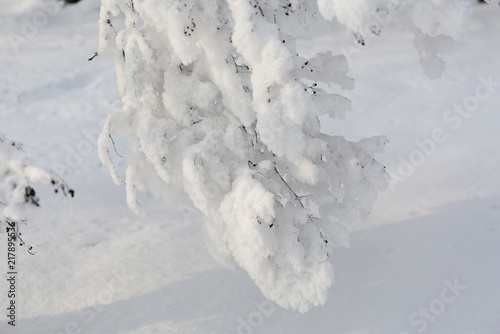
13 227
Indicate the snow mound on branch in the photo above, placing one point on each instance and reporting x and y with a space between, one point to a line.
221 112
434 22
17 176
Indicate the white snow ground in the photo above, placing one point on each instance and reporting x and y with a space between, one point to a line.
100 269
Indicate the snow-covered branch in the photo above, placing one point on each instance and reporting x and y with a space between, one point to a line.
221 111
18 176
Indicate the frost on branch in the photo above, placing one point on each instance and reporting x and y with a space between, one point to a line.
18 176
220 111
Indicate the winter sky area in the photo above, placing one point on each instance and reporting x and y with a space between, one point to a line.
425 261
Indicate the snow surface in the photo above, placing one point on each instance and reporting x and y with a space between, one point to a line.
101 269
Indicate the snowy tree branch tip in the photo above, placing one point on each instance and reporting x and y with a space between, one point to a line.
222 112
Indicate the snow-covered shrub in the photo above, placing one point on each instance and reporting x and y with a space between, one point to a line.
17 178
221 111
435 23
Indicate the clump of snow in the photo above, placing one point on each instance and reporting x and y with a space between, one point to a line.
432 21
17 178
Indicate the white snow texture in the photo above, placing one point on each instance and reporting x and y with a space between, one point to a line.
17 176
220 111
